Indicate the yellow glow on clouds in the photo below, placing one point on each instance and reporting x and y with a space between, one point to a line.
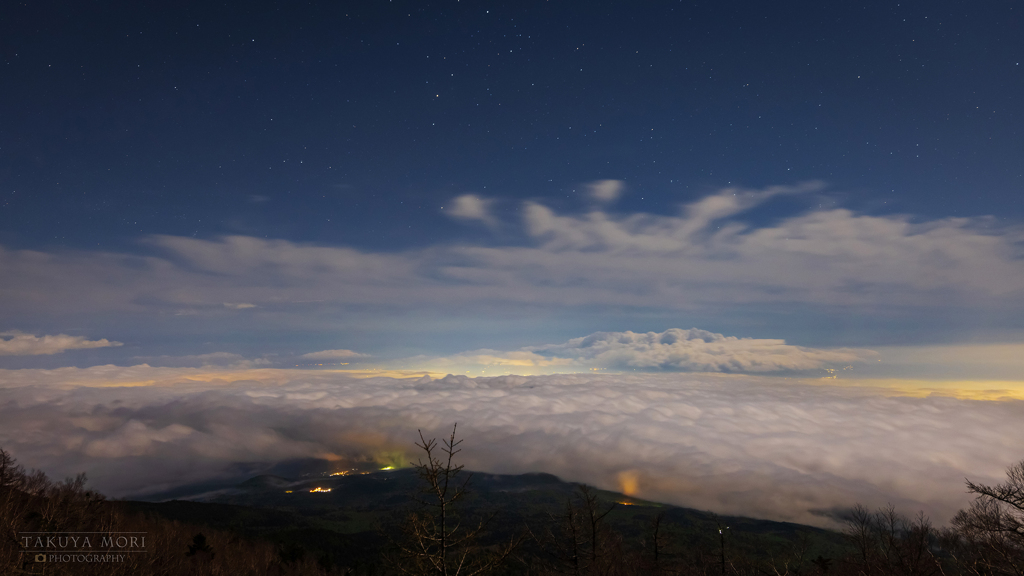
708 440
963 389
144 375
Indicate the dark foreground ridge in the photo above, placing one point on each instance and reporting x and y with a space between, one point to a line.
348 523
436 519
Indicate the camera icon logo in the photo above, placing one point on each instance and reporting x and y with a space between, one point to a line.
40 557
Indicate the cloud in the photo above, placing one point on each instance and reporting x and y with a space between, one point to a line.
704 257
472 207
226 359
606 190
333 355
738 444
697 350
645 234
493 361
673 350
133 438
238 305
14 343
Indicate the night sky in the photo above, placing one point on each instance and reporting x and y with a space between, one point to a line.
267 192
354 125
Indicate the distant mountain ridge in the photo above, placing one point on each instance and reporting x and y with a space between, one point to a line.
345 516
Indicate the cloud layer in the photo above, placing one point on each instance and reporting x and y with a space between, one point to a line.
762 446
212 359
698 351
333 355
704 256
675 349
14 343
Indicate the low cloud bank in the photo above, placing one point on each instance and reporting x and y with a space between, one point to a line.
699 351
14 343
333 355
674 350
212 359
762 446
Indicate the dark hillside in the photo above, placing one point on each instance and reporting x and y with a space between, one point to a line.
352 522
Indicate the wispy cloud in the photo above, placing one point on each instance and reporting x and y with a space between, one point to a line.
698 351
471 207
487 361
14 343
333 355
606 190
226 359
719 442
703 257
673 350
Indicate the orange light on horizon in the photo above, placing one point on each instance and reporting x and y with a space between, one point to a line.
629 482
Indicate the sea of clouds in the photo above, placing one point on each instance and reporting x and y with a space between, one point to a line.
763 446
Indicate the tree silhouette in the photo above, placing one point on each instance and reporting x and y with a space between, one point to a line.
199 547
989 536
579 542
888 542
436 543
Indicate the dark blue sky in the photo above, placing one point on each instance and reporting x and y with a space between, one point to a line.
354 122
412 177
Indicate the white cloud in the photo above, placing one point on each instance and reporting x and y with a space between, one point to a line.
238 305
134 438
606 190
333 355
644 234
763 446
225 359
492 361
697 350
674 349
14 343
702 257
472 207
995 361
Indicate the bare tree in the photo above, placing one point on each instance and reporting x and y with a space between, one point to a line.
579 542
793 561
655 545
12 475
989 535
436 543
887 542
